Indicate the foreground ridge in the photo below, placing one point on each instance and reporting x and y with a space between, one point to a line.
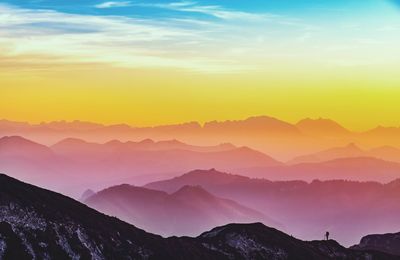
39 224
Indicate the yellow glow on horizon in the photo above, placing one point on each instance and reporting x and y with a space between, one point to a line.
145 72
359 100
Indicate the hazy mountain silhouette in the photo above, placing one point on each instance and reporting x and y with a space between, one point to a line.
87 194
321 127
383 131
28 160
263 133
37 223
73 145
348 209
272 136
204 178
278 138
40 165
386 152
188 211
356 168
259 124
72 165
224 156
350 150
8 125
14 146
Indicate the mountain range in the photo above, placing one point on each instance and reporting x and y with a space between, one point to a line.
73 165
348 209
351 150
40 224
280 139
348 190
350 168
188 211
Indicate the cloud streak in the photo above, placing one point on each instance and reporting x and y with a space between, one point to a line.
113 4
120 41
189 43
210 10
234 41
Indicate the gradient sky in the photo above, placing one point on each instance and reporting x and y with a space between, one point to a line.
157 62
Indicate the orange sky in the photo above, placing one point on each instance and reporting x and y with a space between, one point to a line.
290 64
148 97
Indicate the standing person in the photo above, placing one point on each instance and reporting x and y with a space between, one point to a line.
327 235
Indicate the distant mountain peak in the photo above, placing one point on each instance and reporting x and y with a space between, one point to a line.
15 139
321 126
147 141
113 142
209 172
353 146
85 195
256 123
130 191
198 171
18 145
197 177
320 121
172 141
71 125
71 141
262 118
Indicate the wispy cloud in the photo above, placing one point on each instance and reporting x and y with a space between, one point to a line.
236 41
113 4
120 41
211 10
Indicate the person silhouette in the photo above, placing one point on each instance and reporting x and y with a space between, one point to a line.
327 235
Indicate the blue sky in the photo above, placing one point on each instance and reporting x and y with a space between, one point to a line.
249 57
225 35
154 8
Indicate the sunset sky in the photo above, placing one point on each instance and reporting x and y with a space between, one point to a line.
151 62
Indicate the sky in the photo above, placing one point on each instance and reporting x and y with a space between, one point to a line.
152 62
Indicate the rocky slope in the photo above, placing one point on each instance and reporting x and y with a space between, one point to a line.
389 243
40 224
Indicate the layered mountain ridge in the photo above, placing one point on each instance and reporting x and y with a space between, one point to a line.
264 133
40 224
348 209
188 211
